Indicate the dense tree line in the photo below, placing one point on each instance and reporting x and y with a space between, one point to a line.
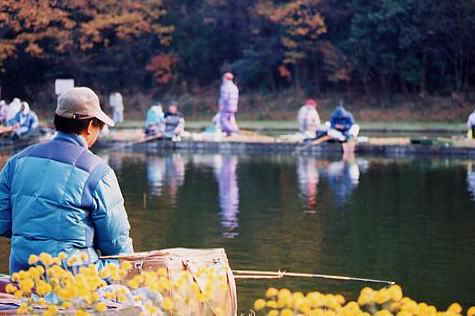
147 46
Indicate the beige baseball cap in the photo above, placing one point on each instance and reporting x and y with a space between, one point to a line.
81 103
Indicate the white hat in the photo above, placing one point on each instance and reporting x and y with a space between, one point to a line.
81 103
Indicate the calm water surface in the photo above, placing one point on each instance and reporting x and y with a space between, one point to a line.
410 220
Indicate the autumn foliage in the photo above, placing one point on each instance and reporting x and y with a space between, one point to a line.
378 48
300 23
46 28
162 68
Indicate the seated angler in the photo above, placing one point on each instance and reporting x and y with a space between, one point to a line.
25 122
174 123
3 112
343 128
310 127
154 120
60 197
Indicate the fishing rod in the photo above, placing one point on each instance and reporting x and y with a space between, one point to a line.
315 142
251 274
136 142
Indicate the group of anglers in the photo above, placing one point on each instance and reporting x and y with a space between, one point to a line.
168 125
171 124
17 120
341 127
78 207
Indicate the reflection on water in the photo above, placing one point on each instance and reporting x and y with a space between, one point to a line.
308 177
225 171
165 173
408 220
342 176
471 180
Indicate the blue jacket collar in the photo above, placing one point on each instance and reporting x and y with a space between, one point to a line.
71 138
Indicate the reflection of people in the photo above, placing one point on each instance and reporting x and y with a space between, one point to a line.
75 203
25 122
228 105
308 178
225 170
165 173
155 174
174 123
471 180
154 120
117 103
175 168
343 178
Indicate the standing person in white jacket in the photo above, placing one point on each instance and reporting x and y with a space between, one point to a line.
471 125
228 105
117 103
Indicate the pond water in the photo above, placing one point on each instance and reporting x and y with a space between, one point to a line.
409 220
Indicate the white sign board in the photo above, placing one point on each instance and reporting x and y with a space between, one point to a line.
63 85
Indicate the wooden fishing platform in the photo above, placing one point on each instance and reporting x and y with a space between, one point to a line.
249 142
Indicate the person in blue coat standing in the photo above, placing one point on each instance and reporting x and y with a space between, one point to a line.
59 196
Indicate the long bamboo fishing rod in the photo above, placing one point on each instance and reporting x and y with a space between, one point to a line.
250 274
136 142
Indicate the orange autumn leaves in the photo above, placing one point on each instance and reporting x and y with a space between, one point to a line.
47 27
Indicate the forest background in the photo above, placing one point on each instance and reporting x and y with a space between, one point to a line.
384 59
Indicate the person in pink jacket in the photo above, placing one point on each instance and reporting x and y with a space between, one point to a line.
228 105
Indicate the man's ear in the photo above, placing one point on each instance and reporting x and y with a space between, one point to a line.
90 127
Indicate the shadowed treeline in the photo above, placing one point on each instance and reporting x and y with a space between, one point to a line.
148 48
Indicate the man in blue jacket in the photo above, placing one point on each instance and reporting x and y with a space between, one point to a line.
60 197
344 129
342 125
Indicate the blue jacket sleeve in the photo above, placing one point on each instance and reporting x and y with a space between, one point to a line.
5 204
33 121
110 220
